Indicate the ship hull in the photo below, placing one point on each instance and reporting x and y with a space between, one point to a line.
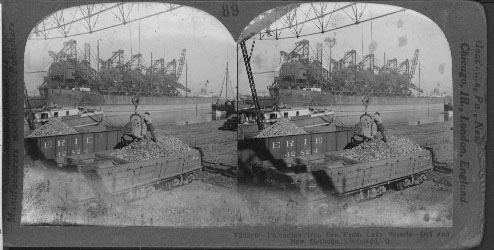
115 106
224 109
75 97
303 97
348 108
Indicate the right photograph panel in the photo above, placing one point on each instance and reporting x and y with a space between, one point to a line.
344 118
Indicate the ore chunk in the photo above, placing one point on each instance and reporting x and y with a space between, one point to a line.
377 149
146 150
280 128
53 127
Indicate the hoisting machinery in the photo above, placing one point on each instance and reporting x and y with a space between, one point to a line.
345 76
248 69
115 75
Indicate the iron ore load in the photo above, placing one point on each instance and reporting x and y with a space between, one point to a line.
135 170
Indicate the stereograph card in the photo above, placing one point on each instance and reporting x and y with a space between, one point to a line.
253 124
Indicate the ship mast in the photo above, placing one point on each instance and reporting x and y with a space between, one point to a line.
186 87
226 81
419 78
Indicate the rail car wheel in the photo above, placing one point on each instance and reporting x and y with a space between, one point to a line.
259 177
407 182
400 185
381 190
360 196
189 179
421 178
372 193
175 182
167 185
268 181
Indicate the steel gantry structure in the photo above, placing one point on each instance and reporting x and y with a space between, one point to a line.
297 21
91 18
317 19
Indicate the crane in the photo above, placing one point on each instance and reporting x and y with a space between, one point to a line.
335 64
352 54
132 60
102 63
29 113
414 65
160 62
181 63
248 69
405 66
412 72
370 58
69 51
300 52
393 63
115 55
171 66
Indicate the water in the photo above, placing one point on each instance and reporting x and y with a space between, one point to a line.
175 117
400 118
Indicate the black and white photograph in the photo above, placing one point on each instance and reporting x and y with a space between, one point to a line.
245 124
123 102
345 117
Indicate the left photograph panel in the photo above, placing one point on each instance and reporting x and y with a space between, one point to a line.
125 106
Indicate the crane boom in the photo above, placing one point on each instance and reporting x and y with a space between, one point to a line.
115 54
367 58
301 50
181 63
393 63
414 64
29 113
349 55
133 59
248 69
412 71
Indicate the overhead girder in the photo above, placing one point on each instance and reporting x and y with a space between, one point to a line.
316 16
88 19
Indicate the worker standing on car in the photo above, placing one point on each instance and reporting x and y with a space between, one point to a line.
149 125
380 126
